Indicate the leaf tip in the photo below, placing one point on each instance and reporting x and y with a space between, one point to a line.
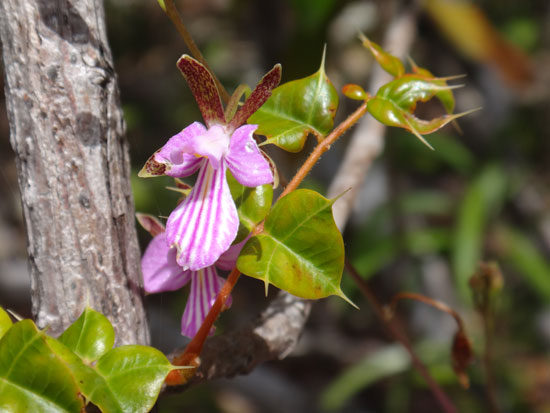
344 297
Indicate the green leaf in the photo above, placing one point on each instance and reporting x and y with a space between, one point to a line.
32 377
5 322
396 101
252 204
301 250
134 374
380 364
296 109
388 62
91 336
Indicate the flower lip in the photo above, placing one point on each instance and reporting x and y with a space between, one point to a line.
214 145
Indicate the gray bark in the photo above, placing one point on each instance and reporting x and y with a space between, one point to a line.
67 132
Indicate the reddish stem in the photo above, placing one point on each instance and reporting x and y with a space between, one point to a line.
194 348
396 330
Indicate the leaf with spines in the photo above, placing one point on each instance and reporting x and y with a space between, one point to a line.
388 62
300 250
296 109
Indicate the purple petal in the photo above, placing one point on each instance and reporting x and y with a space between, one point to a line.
205 286
213 144
160 269
245 160
178 153
228 259
205 224
204 89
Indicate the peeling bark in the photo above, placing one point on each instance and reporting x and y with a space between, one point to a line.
68 132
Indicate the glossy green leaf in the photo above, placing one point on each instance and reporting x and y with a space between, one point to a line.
388 62
409 89
125 379
134 374
90 336
387 111
296 109
5 322
252 204
301 250
32 377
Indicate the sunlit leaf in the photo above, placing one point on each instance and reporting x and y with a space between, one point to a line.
388 62
301 250
296 109
32 377
134 374
90 336
5 322
252 204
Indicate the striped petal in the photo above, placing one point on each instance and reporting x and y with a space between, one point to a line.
160 270
228 259
205 286
177 155
245 160
205 224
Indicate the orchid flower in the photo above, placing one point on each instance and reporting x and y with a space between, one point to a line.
161 272
205 224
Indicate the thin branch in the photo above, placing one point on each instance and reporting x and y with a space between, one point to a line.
426 300
397 331
172 12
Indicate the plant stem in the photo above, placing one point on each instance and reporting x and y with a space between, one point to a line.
194 348
397 332
174 15
322 147
488 361
427 300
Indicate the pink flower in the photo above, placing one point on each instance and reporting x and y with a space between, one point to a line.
161 272
205 224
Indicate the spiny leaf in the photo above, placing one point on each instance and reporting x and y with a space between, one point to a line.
388 62
301 250
296 109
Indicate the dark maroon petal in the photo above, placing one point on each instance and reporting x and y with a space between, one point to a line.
150 224
204 89
257 98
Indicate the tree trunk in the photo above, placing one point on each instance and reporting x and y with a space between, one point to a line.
67 132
